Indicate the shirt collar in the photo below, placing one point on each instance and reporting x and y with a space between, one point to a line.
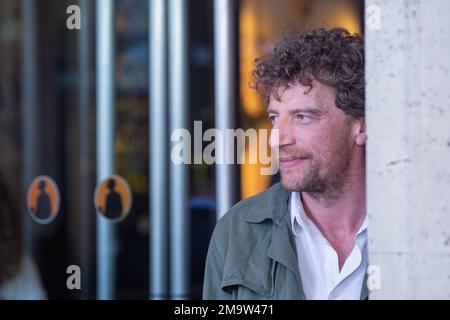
364 225
299 217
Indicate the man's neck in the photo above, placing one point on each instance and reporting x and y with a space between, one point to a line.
340 217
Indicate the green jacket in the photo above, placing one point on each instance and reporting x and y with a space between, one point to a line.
252 252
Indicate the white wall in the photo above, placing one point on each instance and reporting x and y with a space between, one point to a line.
408 150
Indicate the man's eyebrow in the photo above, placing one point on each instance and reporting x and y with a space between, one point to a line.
308 110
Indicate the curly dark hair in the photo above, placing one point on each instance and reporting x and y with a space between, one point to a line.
333 57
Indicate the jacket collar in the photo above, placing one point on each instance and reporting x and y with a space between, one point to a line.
281 248
274 206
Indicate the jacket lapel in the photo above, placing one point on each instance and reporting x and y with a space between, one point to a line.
281 250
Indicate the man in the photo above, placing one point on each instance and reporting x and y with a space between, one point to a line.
306 237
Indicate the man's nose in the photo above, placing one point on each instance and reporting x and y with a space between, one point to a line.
281 135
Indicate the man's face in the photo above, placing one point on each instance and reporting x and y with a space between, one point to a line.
315 144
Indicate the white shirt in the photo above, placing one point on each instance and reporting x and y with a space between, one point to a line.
318 261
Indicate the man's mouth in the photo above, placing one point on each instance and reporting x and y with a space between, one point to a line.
289 161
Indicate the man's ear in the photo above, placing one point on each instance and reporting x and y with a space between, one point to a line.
359 131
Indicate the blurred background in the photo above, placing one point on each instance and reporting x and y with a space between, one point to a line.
49 117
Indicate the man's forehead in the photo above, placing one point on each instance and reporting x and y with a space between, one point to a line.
297 95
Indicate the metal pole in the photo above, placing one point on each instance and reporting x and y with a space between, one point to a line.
158 153
30 103
225 94
178 100
84 104
105 143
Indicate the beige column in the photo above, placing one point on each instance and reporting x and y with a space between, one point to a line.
408 150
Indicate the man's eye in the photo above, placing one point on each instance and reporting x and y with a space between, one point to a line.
302 117
273 119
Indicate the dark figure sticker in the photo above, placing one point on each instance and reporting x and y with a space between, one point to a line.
113 198
43 199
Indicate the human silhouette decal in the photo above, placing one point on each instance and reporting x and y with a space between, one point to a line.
43 205
113 202
43 199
